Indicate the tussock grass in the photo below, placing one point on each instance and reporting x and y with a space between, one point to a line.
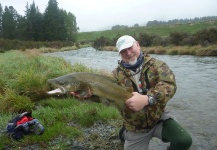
23 88
13 102
198 50
25 74
84 113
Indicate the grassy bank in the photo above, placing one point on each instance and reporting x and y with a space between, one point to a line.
203 48
197 50
23 88
87 39
161 31
176 50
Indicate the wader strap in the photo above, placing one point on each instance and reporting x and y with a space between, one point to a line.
134 87
146 80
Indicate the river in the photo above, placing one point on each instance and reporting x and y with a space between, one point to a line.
194 104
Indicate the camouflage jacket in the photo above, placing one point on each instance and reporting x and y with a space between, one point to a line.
162 88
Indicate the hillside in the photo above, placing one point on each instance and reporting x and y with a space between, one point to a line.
163 30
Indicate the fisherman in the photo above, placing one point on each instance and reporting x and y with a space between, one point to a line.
154 85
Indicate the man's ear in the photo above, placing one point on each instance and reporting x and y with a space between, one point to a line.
137 43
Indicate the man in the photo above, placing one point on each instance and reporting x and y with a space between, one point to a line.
154 85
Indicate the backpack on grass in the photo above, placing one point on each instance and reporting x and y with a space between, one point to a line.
23 124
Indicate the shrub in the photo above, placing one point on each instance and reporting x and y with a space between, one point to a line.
206 36
176 38
157 41
102 41
145 39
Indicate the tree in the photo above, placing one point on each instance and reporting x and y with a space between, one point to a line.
119 27
136 25
33 23
21 27
1 11
54 27
152 23
71 26
9 23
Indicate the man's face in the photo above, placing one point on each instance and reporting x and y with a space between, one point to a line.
131 54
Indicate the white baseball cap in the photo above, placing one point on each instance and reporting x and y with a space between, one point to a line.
124 42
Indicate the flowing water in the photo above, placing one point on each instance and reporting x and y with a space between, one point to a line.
195 102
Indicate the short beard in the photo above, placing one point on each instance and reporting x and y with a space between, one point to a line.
133 62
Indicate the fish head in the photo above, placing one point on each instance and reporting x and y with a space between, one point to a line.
63 85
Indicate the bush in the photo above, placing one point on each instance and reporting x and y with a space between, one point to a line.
145 39
102 41
176 38
6 44
206 36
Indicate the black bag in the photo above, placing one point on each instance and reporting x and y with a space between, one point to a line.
23 124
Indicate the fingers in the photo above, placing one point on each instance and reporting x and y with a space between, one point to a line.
131 100
73 93
82 95
76 95
129 104
135 103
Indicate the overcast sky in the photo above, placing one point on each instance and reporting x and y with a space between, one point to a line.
94 15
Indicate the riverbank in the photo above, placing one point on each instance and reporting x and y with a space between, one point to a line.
62 119
198 50
176 50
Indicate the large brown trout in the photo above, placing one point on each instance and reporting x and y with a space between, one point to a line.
99 85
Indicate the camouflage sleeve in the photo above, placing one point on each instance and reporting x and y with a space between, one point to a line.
165 87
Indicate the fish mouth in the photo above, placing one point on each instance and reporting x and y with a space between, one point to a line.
60 90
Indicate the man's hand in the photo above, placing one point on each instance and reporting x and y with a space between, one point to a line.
84 94
137 101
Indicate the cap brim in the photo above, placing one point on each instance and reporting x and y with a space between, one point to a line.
127 45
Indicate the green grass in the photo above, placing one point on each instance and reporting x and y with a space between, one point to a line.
163 30
23 88
24 76
63 117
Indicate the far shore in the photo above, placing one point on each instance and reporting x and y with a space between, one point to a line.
177 50
197 50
